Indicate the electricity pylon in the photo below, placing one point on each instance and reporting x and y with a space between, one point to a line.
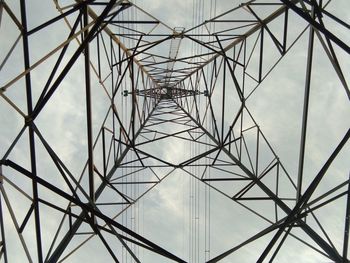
100 99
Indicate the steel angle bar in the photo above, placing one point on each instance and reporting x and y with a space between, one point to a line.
302 203
1 10
347 225
76 224
88 110
290 212
73 59
8 55
61 16
8 10
88 208
2 228
15 223
59 59
250 32
317 25
305 110
32 150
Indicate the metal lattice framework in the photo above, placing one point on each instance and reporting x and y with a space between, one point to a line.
102 104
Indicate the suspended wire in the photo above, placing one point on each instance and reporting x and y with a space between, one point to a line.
192 25
195 211
209 126
183 213
198 204
190 213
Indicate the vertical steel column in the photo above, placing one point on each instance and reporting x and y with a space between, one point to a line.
133 100
261 53
305 110
1 8
347 226
30 129
90 35
223 104
88 109
2 229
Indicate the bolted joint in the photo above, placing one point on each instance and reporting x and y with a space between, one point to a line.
2 90
28 121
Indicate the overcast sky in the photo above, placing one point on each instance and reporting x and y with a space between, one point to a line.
165 214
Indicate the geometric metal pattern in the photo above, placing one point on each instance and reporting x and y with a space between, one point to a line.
102 105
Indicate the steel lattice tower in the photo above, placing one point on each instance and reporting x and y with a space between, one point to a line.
103 104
